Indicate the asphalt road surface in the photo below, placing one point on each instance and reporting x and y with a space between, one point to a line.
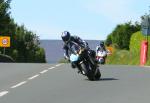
58 83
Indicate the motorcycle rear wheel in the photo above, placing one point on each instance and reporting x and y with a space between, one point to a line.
97 75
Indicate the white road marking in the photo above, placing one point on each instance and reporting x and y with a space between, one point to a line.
58 65
33 77
44 71
3 93
19 84
51 68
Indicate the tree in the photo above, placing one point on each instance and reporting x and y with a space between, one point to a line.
122 33
4 16
27 44
24 43
5 20
108 41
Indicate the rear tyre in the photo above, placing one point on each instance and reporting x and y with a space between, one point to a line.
90 75
98 74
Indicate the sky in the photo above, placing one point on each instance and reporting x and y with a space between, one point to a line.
89 19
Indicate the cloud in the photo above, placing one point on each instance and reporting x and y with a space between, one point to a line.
114 10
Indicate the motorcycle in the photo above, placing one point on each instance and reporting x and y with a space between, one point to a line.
101 55
82 60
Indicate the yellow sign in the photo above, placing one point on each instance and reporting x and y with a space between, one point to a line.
110 50
4 41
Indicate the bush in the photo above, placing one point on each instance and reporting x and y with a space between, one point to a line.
121 35
40 56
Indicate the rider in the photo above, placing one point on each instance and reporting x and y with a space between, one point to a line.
69 41
100 47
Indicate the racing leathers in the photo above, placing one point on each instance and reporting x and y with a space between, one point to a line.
100 48
74 41
77 42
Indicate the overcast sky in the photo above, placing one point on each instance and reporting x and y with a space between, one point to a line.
89 19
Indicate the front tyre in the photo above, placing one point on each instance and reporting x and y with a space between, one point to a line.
88 72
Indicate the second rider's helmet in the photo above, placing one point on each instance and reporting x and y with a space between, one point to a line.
102 44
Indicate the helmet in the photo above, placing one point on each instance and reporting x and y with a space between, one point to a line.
101 43
65 36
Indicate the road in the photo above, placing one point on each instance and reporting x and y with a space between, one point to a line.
58 83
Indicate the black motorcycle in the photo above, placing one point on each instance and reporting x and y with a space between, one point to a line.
83 60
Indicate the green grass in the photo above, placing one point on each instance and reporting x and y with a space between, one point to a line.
63 61
123 57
